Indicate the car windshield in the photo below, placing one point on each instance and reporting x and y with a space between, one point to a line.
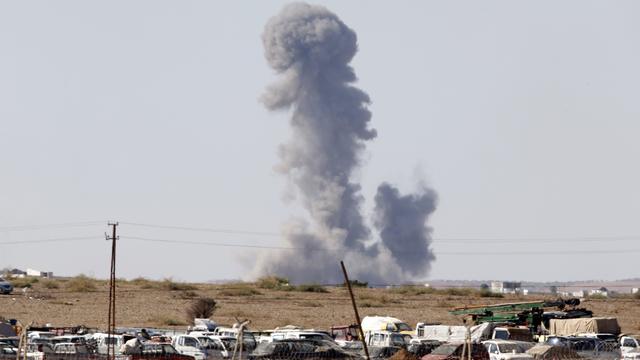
446 349
403 327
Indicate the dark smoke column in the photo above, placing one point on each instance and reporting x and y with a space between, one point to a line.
311 48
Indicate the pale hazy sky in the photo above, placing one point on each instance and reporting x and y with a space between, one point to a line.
522 115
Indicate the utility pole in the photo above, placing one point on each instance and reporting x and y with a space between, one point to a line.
111 325
355 310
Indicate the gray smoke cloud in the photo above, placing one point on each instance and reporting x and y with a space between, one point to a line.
401 222
311 48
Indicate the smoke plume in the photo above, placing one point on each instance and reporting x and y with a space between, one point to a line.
311 48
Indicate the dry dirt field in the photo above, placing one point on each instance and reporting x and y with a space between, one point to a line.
143 303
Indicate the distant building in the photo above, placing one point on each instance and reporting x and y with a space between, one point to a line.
38 273
506 287
17 273
599 292
579 293
635 290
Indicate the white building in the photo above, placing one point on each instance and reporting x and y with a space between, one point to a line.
38 273
579 293
599 292
506 287
635 290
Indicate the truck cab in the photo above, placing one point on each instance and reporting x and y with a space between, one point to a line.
508 350
629 344
188 345
383 338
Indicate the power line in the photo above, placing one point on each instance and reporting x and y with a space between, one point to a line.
49 226
446 253
197 229
440 240
28 242
465 240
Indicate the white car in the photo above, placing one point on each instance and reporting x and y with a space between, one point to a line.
508 350
629 344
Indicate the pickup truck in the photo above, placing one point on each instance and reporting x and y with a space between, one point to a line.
630 347
188 345
508 350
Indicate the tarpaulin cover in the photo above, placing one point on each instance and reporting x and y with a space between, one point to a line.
568 327
552 352
446 333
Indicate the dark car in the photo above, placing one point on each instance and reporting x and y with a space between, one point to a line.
299 349
5 287
454 351
153 350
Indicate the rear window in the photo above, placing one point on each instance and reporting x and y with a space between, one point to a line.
501 334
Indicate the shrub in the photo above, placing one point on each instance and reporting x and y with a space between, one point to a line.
81 283
145 283
459 291
201 308
356 283
410 290
25 282
272 282
50 284
168 284
239 291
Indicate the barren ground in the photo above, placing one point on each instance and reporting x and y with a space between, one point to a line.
147 305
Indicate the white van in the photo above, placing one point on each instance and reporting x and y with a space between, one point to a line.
385 323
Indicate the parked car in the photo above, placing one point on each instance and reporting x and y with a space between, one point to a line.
7 349
188 345
300 349
5 286
629 344
164 351
454 351
508 350
216 347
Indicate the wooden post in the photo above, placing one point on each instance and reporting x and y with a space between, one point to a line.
355 309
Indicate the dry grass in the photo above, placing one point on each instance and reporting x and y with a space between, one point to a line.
25 282
81 283
142 305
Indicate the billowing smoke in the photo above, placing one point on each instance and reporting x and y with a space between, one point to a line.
401 222
311 48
